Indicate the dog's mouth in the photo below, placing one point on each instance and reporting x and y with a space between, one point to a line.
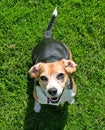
54 99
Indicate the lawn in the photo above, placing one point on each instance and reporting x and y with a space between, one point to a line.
81 26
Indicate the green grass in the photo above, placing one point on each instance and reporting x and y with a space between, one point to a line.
81 26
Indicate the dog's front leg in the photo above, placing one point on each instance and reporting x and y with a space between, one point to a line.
37 107
72 93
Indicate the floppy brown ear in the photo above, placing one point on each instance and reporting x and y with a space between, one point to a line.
34 71
70 66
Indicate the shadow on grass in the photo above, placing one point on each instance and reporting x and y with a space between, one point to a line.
50 117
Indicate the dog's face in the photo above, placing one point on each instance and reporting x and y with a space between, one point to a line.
53 77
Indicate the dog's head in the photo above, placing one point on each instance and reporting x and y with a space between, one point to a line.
53 77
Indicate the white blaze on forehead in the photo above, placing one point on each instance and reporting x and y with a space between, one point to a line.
54 84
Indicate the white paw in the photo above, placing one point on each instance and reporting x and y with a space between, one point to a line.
72 101
73 94
37 107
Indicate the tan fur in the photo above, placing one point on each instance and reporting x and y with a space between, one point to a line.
34 94
70 55
74 85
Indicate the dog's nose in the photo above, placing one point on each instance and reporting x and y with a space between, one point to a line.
52 91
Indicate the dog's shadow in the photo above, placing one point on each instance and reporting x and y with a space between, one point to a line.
50 117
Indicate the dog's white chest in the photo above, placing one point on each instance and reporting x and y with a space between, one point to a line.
68 95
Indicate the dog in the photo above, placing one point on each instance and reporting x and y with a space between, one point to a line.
52 71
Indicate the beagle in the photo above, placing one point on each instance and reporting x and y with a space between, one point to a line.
52 69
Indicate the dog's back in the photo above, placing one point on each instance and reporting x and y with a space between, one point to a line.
49 50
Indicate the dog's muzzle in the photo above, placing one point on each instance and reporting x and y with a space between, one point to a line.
52 92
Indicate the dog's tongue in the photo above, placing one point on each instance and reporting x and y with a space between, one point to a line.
54 99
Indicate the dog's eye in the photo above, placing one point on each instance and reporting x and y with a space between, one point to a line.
44 78
60 76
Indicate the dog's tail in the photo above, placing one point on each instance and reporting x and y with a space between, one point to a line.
48 33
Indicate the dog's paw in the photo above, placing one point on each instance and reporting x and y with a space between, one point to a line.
72 101
37 107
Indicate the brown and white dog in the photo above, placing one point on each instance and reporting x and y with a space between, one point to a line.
51 70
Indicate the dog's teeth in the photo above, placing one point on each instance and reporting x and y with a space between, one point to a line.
55 13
